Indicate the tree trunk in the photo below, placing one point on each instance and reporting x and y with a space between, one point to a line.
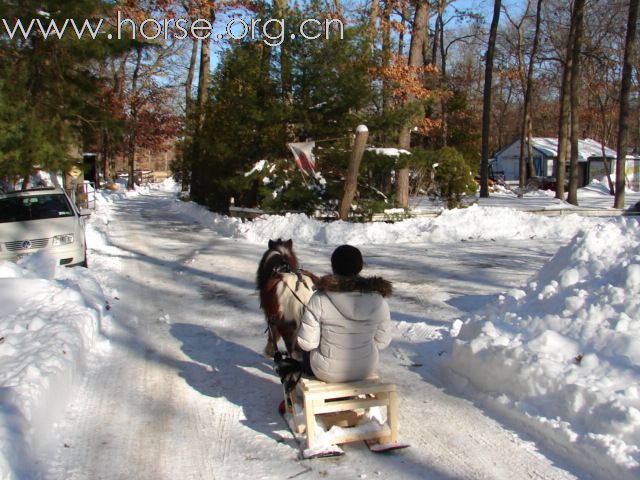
418 37
443 73
565 115
204 77
190 10
286 83
437 35
373 18
486 102
578 18
337 10
351 180
191 74
607 166
403 26
526 131
625 88
416 60
105 154
386 53
534 52
134 120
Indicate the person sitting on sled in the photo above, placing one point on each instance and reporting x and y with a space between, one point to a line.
346 321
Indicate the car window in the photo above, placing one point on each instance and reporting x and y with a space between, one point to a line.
37 207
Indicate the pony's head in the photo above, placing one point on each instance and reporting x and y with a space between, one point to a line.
285 248
279 256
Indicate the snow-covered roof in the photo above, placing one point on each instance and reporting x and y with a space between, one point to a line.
548 146
587 148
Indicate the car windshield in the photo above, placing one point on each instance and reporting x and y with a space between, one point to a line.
35 207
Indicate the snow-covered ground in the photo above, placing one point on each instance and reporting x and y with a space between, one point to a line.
516 345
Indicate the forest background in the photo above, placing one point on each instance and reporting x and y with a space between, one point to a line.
444 82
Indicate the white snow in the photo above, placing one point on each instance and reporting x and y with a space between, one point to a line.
556 357
564 351
389 151
257 167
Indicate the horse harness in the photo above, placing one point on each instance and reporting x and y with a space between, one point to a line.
285 268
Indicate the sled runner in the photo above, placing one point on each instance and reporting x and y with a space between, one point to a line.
324 415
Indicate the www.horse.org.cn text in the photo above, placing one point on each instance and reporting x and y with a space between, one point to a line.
271 31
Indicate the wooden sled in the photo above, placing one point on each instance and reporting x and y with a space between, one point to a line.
344 405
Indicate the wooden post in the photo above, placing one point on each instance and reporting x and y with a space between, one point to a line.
351 181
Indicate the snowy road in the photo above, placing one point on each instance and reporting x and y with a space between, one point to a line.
185 394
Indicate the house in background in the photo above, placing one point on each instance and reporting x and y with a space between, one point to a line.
506 162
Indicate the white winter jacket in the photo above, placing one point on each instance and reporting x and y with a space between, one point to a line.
345 324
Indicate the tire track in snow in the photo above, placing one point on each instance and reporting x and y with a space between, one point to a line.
223 418
456 433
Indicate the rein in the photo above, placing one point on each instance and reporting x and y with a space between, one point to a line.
286 268
293 291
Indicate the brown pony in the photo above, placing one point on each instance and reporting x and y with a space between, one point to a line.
284 290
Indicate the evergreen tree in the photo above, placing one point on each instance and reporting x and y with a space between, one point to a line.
247 120
332 80
49 91
242 124
453 176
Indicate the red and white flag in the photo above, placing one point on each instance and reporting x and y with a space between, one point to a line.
303 153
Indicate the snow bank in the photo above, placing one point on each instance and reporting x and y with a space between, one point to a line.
46 326
50 317
473 223
565 351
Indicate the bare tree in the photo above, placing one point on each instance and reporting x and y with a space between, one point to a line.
374 12
281 8
404 17
189 8
204 77
131 148
416 62
578 18
526 167
625 88
441 48
564 121
191 73
386 52
486 103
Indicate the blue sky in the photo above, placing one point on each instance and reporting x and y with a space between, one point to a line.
485 7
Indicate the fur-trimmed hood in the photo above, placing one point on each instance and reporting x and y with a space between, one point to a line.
344 326
338 283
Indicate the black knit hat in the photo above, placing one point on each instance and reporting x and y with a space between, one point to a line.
346 260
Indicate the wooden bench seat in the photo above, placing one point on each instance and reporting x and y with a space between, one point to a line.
344 405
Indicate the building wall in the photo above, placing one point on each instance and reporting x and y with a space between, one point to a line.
633 174
508 161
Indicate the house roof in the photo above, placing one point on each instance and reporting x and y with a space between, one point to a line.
587 148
